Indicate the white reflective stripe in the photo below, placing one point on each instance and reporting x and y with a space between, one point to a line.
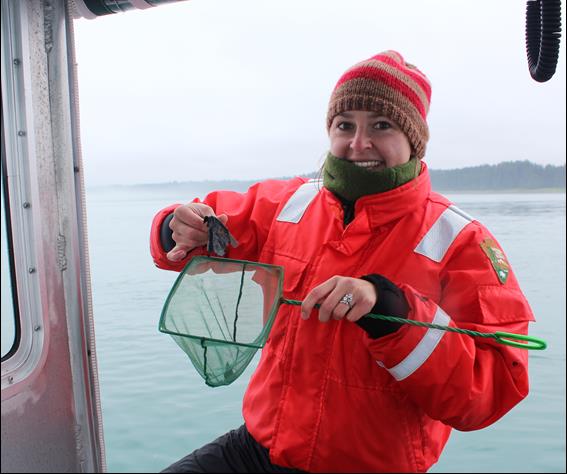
423 350
298 203
140 4
461 213
442 233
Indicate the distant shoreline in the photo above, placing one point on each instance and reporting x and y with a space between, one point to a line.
243 185
501 190
505 177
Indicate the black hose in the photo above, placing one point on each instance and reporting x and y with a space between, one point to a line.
543 33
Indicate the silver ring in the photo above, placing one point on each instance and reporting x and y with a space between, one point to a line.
347 299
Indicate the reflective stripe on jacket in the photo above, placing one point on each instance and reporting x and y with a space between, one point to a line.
327 398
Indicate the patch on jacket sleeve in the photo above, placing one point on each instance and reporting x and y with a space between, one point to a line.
497 258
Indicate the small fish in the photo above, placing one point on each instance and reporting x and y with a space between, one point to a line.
219 236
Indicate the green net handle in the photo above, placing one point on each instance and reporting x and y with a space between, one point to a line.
532 343
505 338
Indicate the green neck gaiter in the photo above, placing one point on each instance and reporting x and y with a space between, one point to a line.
350 182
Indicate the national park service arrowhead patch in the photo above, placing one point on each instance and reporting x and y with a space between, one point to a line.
497 258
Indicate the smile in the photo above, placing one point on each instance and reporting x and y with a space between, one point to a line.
368 164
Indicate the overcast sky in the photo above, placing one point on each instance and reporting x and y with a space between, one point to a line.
224 89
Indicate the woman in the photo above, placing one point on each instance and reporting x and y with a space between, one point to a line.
374 396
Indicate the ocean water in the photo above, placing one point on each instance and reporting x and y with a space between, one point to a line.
156 408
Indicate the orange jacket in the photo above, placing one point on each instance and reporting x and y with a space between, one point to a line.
326 397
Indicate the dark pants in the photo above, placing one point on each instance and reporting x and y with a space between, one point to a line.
235 451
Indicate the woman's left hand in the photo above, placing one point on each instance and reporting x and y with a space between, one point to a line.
340 297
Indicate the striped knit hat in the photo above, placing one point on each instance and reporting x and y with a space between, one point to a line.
386 84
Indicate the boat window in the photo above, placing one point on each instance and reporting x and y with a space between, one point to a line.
10 327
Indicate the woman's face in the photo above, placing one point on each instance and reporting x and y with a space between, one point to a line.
369 140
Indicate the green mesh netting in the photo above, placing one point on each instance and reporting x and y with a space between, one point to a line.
220 313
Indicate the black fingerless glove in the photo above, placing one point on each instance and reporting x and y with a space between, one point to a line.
391 301
165 235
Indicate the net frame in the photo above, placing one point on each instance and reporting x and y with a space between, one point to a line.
249 349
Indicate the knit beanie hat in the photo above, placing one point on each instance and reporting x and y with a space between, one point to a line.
387 85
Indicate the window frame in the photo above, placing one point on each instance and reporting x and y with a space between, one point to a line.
18 151
7 228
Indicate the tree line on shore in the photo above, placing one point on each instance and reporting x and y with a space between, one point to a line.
509 175
505 176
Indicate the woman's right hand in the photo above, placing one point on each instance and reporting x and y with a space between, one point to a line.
189 230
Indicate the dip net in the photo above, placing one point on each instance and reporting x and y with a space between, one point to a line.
220 312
